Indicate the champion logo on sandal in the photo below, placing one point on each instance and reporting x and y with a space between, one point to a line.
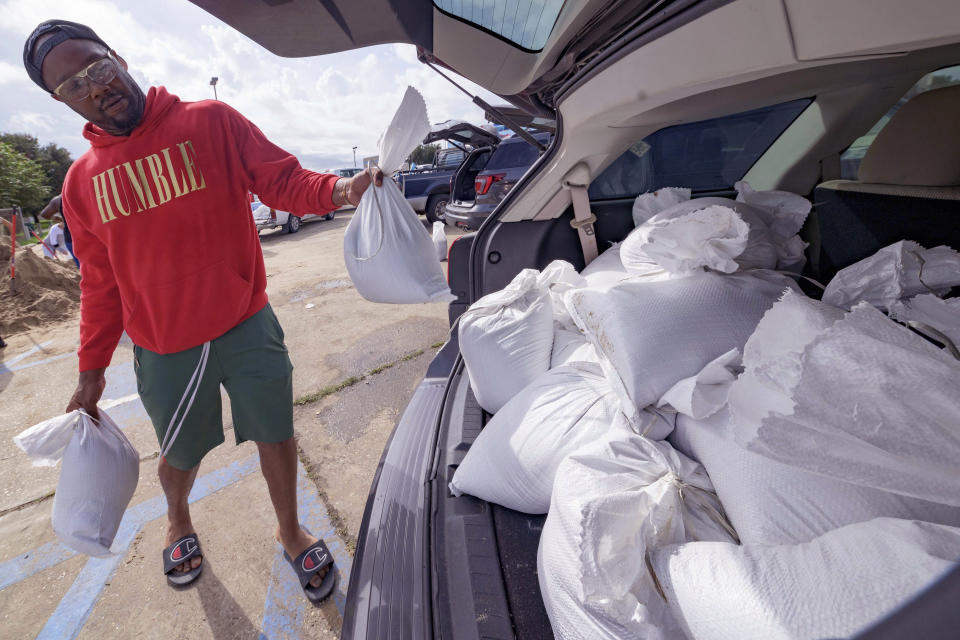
183 549
314 559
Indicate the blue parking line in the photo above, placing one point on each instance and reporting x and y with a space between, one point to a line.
75 607
286 603
27 564
18 367
29 352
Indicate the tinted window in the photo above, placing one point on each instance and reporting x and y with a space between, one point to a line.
450 159
710 155
513 154
526 23
850 159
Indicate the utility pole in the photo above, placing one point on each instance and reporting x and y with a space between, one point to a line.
354 157
213 83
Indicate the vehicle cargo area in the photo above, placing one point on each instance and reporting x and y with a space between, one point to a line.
797 475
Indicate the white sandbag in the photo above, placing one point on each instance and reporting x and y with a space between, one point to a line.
606 269
98 476
704 394
558 278
506 339
515 458
871 403
569 346
942 315
771 502
389 255
786 211
650 204
614 502
901 270
712 237
832 587
651 335
772 356
440 240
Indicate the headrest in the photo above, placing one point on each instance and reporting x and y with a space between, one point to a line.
920 145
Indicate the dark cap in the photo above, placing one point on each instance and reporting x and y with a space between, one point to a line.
62 30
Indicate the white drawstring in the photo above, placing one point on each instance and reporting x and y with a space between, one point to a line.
198 376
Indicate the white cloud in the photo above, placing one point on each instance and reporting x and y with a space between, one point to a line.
317 108
35 123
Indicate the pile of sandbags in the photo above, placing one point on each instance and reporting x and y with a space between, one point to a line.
685 353
833 448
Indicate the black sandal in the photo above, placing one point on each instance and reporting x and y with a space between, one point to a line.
183 550
308 563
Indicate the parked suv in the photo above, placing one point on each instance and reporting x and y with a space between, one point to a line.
486 176
682 93
428 189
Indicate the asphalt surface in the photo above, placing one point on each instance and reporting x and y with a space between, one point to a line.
356 366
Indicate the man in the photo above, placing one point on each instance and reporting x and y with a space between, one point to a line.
169 252
54 209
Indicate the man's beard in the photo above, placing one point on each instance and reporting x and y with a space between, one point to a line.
127 121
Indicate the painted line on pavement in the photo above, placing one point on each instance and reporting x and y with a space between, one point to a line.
25 565
75 607
26 353
5 369
286 603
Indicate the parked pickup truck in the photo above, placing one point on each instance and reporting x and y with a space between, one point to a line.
428 190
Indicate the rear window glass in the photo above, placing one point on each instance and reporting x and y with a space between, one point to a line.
526 23
513 154
850 159
450 159
710 155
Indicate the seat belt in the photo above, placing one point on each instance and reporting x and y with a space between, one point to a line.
577 180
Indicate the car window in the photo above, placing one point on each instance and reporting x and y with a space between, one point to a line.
526 23
510 155
850 159
710 155
450 159
479 161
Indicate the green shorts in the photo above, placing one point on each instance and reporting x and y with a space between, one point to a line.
251 363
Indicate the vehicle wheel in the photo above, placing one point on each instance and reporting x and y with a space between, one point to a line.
329 216
293 224
436 208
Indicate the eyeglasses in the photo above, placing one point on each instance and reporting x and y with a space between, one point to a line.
77 88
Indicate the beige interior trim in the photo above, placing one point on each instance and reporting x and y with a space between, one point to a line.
901 190
920 145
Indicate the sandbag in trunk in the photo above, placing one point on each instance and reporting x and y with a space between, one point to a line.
860 398
614 502
832 587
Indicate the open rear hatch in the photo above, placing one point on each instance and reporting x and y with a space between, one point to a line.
522 50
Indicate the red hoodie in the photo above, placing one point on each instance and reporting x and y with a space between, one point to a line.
162 226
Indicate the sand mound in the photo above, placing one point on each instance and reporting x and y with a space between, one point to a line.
47 291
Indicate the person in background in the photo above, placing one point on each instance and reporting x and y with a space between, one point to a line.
54 242
54 208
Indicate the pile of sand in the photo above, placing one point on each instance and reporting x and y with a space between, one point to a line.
47 291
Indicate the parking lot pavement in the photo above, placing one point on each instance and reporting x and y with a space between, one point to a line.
356 365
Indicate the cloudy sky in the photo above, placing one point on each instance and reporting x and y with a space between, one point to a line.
316 108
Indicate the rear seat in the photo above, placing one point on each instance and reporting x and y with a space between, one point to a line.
908 187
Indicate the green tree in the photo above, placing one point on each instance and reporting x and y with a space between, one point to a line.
23 143
54 159
22 181
423 154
